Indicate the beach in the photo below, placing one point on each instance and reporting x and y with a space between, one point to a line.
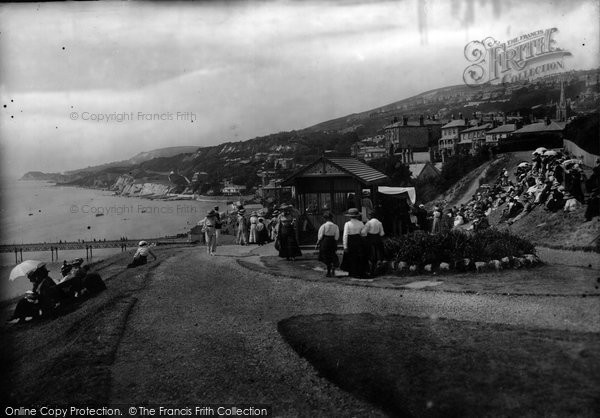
36 211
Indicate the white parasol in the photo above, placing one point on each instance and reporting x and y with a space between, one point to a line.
23 269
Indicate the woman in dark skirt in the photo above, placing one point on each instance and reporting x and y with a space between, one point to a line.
286 235
355 260
329 233
374 233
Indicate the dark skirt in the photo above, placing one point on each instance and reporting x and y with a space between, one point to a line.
288 246
375 248
355 260
139 261
327 249
262 236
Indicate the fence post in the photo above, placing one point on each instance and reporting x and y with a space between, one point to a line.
16 258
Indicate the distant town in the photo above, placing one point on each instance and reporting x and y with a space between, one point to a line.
421 133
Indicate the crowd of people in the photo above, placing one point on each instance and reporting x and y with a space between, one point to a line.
552 179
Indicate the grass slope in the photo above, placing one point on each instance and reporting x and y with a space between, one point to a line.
439 367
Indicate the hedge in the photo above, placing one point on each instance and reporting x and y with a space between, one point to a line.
421 248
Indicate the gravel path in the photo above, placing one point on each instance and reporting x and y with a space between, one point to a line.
205 330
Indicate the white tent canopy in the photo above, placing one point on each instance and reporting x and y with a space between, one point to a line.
412 195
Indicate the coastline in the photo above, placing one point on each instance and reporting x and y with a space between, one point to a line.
165 197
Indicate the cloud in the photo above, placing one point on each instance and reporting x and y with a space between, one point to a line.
260 66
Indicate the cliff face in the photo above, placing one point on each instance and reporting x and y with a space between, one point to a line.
126 185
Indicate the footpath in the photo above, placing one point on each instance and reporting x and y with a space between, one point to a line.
563 273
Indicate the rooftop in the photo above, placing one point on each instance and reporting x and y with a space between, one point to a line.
340 166
455 123
509 127
478 128
540 127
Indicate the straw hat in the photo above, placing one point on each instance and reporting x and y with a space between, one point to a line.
142 244
352 213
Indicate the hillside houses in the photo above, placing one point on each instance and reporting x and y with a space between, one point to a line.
448 143
471 139
231 189
495 137
411 137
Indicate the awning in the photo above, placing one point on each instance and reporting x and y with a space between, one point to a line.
412 194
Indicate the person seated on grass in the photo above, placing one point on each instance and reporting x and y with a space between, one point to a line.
141 255
556 200
571 203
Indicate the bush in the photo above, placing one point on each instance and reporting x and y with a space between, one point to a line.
421 248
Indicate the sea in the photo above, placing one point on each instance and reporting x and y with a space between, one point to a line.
38 211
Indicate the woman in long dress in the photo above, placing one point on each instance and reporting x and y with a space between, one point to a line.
355 260
436 225
328 236
286 235
373 230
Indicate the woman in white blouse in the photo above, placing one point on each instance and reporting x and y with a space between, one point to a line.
328 236
355 260
373 230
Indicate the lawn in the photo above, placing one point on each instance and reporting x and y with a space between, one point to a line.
439 367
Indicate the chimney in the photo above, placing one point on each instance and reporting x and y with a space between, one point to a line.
405 120
421 120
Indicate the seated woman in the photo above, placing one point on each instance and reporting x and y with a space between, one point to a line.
43 299
141 255
72 275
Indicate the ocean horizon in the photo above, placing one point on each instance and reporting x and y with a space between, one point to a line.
39 211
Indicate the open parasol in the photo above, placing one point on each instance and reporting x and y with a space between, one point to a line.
23 269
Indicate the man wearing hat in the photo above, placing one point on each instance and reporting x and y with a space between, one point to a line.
218 224
241 237
355 260
209 226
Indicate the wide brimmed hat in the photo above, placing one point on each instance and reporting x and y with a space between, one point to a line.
142 243
284 206
353 213
212 212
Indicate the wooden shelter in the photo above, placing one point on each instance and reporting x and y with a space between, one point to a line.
334 185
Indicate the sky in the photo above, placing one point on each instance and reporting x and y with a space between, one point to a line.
79 81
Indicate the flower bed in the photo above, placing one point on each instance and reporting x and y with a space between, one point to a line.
460 251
